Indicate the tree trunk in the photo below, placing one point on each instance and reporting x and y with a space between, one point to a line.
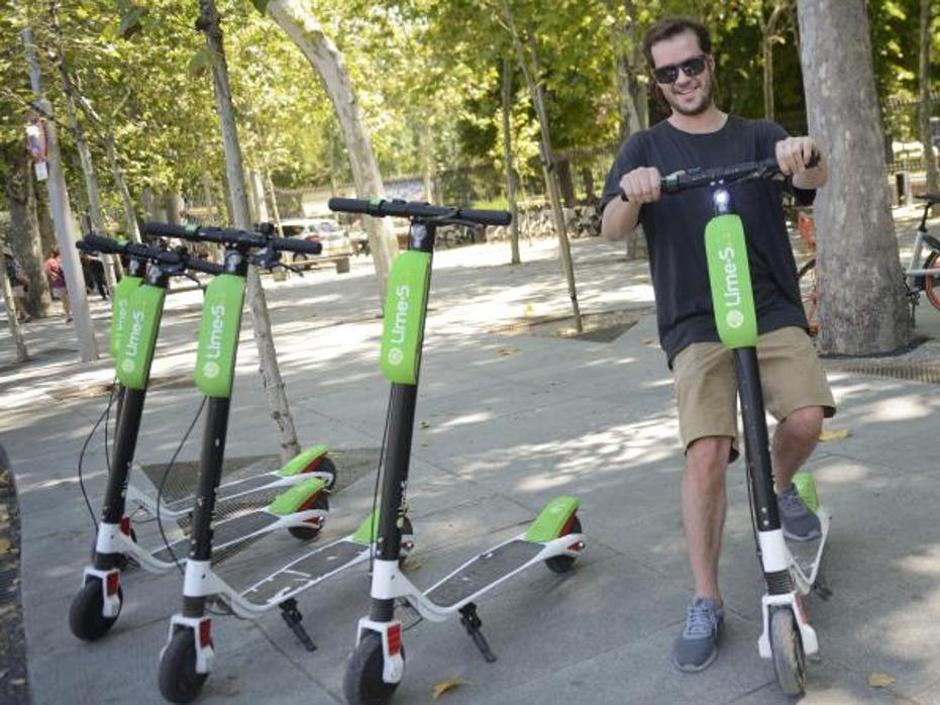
548 159
130 215
274 208
25 240
926 137
326 59
173 201
863 309
767 50
21 353
209 23
84 152
630 66
257 188
507 160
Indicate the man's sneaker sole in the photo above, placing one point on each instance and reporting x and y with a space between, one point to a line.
802 539
695 669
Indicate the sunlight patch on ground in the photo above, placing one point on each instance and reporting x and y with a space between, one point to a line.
899 409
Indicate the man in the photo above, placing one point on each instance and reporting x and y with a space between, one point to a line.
698 134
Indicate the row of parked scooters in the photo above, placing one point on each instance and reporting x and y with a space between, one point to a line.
221 519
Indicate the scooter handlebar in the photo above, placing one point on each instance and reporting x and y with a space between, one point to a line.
381 208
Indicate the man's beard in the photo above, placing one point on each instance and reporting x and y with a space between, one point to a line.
702 106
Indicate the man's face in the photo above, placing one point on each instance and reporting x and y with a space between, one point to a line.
688 95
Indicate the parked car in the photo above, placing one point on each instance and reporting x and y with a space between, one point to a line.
334 240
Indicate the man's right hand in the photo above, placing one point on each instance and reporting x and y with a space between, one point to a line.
641 185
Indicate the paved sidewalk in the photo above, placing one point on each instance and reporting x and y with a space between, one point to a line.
504 423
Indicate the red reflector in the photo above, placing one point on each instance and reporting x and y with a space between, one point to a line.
112 583
394 640
576 546
126 526
205 633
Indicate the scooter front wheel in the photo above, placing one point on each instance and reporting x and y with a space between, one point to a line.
178 680
363 684
787 648
85 613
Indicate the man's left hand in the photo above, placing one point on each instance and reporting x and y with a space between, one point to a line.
794 153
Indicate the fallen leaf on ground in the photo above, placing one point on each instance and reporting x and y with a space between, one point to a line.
834 435
506 351
411 565
5 546
446 685
880 680
425 424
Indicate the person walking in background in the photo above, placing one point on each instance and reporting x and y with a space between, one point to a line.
52 266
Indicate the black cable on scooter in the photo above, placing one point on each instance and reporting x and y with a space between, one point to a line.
166 474
81 459
375 490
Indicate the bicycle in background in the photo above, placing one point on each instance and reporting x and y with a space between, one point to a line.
921 276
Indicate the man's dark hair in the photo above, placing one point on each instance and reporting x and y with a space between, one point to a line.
669 27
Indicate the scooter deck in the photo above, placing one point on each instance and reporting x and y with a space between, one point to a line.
485 569
235 508
306 571
237 530
254 485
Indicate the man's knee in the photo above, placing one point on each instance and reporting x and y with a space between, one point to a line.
804 424
708 456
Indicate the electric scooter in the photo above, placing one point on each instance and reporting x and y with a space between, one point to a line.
187 657
791 571
376 667
137 311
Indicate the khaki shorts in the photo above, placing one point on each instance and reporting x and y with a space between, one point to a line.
706 388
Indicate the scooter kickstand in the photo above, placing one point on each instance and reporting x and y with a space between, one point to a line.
471 622
292 616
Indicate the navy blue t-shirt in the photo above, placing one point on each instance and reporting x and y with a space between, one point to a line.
675 228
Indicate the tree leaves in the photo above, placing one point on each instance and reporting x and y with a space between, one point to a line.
130 21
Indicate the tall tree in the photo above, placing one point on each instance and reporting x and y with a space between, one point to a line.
533 77
923 76
863 308
325 58
210 24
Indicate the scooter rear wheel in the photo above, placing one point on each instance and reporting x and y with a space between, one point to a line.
787 648
363 684
85 618
562 564
308 532
177 677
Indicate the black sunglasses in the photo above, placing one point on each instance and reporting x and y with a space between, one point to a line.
690 67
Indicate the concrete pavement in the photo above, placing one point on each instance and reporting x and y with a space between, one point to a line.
504 423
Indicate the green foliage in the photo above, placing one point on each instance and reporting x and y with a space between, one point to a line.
428 75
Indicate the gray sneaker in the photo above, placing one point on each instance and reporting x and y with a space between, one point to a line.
799 521
697 646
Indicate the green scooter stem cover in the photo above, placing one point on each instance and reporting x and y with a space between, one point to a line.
120 308
405 311
730 279
218 335
143 323
296 464
368 529
293 499
551 521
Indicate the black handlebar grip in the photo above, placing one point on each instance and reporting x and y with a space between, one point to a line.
348 205
100 243
296 245
485 217
201 265
168 230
